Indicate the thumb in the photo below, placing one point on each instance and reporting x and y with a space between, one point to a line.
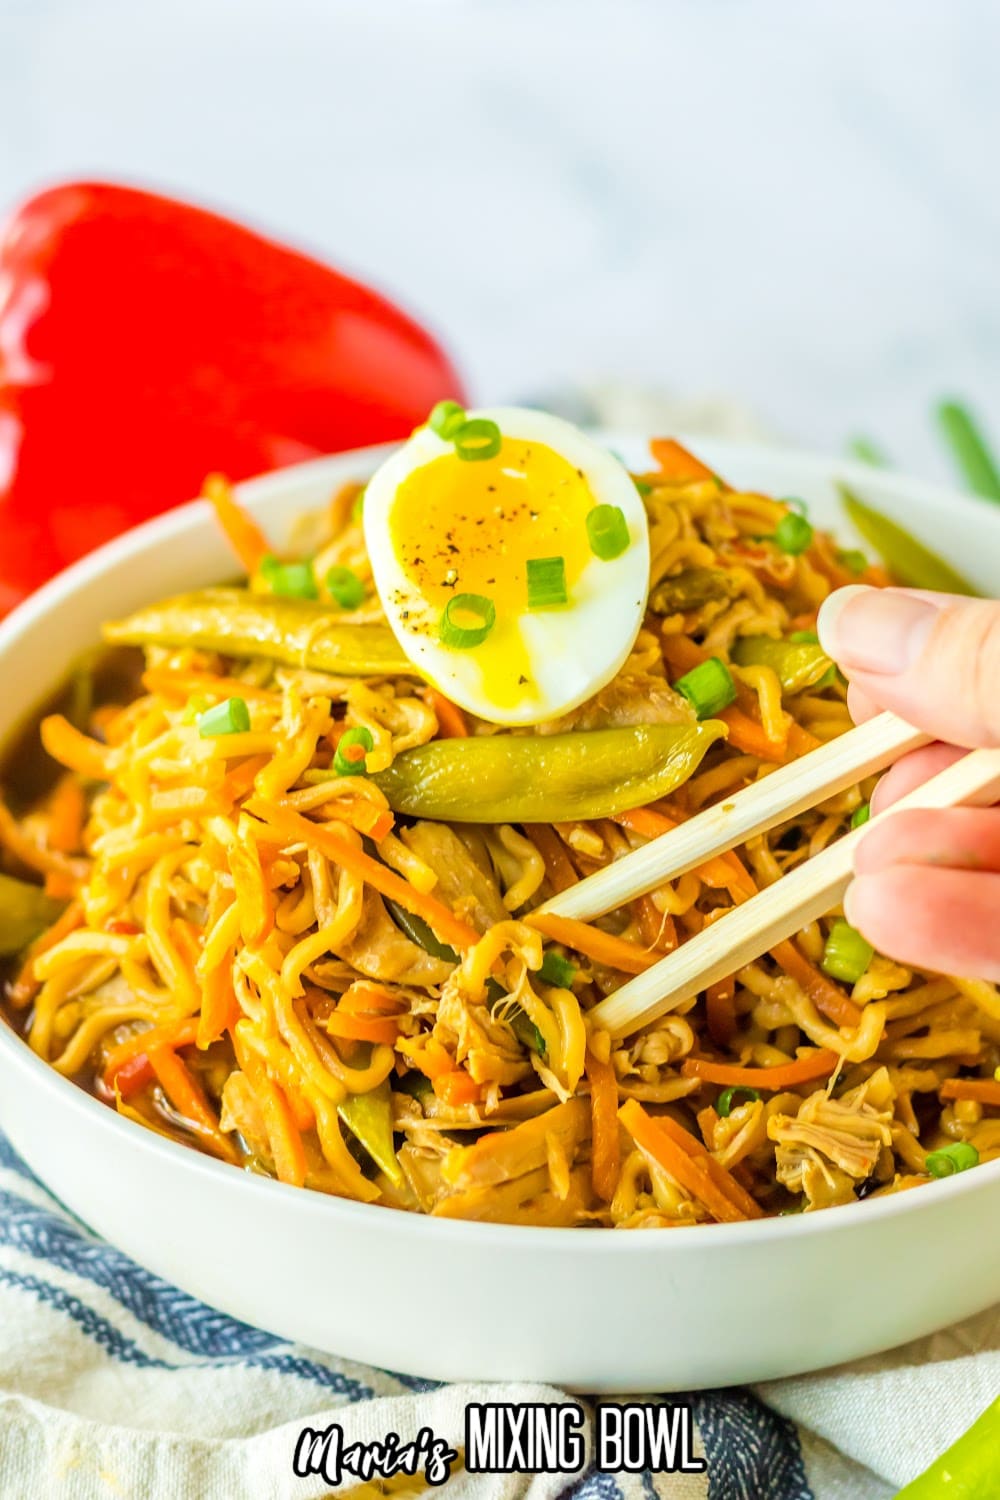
934 659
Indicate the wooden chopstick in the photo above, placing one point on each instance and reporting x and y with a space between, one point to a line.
781 909
780 795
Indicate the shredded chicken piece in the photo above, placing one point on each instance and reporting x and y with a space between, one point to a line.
461 882
628 699
831 1144
379 950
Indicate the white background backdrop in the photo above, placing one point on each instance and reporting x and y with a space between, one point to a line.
790 203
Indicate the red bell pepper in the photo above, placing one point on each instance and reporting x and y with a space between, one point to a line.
145 342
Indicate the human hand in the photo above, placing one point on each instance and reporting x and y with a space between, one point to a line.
927 883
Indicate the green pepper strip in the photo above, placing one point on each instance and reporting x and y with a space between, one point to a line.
297 632
797 664
369 1118
549 778
417 930
965 1471
25 913
910 562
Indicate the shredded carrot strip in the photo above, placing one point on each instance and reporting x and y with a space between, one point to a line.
187 939
432 1060
188 1097
75 751
676 463
362 999
219 1008
291 825
602 947
818 1064
720 1011
362 1028
458 1087
657 927
800 741
280 1123
824 994
60 886
746 735
238 782
377 822
67 808
243 534
558 866
689 1171
982 1090
605 1147
720 1175
172 1034
451 720
177 682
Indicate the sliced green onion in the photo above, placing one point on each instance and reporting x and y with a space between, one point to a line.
956 1157
546 581
853 559
847 954
708 687
796 503
526 1031
358 740
607 529
793 534
229 717
804 638
344 585
724 1103
454 633
446 418
476 439
860 815
643 486
972 454
868 451
557 970
289 580
358 508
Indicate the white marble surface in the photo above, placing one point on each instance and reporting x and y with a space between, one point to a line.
790 204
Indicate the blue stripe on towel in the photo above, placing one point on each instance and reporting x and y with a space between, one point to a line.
752 1452
127 1351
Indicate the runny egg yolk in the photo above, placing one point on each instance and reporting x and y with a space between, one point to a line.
460 527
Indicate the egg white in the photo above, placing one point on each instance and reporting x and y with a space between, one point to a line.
574 649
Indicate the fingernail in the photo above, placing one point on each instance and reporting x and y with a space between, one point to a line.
875 630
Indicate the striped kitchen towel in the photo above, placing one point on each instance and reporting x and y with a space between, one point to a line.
115 1385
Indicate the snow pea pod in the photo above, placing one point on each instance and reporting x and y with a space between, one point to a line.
797 664
25 912
238 622
910 562
552 778
369 1118
965 1471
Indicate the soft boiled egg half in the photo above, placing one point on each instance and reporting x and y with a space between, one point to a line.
511 555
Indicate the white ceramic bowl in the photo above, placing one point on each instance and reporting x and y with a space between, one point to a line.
597 1310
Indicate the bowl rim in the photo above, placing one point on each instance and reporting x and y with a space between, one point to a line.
194 514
